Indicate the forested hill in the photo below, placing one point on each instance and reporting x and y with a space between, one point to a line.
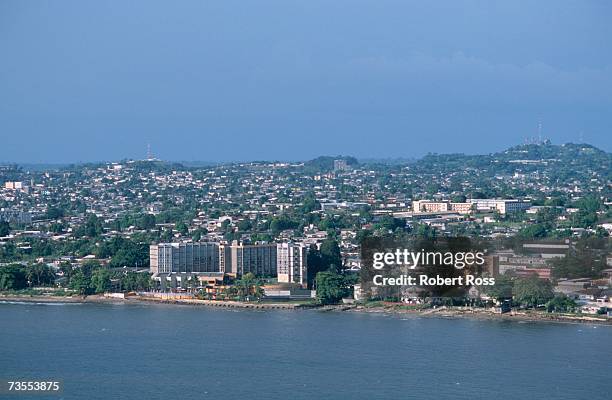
559 160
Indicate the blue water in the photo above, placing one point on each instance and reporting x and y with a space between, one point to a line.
175 352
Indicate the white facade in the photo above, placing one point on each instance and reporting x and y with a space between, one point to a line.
291 263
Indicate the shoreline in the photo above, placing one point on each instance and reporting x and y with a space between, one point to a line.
485 314
442 312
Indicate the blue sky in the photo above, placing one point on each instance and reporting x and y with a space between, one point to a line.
290 80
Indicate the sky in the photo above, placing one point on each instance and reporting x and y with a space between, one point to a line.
239 80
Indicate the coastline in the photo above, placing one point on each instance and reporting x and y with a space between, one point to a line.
442 312
484 314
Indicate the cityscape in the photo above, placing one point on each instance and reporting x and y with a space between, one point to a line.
346 199
290 233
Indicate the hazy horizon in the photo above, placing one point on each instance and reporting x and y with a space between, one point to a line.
84 81
205 162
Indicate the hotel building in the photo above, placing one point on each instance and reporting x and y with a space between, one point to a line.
291 263
197 257
238 259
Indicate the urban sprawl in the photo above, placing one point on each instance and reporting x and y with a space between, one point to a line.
292 231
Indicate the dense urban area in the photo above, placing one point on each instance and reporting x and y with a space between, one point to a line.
291 231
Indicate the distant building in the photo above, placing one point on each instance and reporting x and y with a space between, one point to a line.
291 263
17 186
484 205
341 165
429 206
13 185
461 208
500 205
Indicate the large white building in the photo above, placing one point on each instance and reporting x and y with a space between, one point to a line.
500 205
291 263
503 206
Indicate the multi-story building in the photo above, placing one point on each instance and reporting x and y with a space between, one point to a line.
429 206
291 263
500 205
461 208
17 186
484 205
239 258
197 257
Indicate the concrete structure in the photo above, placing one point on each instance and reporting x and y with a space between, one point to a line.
196 257
239 258
429 206
287 292
14 185
291 263
500 205
17 187
483 205
461 208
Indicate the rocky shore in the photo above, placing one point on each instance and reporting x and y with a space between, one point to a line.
441 312
486 314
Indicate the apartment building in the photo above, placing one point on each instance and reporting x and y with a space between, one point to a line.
196 257
500 205
238 258
429 206
292 263
461 208
483 205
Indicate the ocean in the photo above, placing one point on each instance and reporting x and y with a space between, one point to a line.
152 351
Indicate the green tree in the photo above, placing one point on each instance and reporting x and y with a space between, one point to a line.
91 228
80 282
40 275
5 228
248 285
147 221
12 277
144 281
182 228
561 303
532 291
581 264
245 225
534 231
100 280
331 287
502 289
388 222
281 223
330 254
55 212
310 204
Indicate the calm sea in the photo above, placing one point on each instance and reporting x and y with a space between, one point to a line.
184 352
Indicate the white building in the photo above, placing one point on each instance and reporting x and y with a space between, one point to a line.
291 263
